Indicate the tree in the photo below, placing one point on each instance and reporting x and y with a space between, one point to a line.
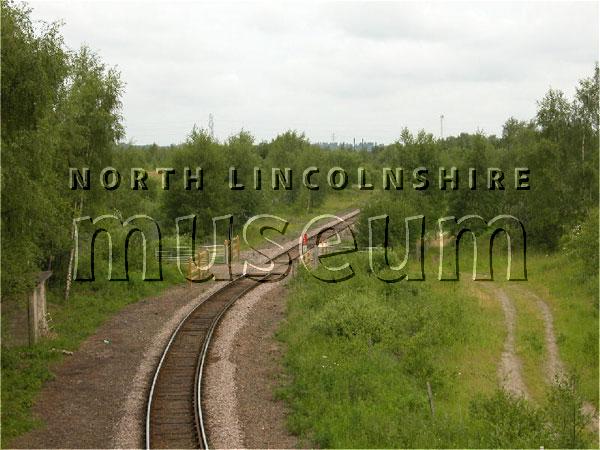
34 67
90 120
60 109
553 116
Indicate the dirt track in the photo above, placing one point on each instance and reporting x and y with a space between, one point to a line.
555 367
509 368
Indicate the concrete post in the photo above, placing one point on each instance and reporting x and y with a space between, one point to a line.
38 323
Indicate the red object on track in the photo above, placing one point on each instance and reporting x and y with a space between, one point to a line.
305 239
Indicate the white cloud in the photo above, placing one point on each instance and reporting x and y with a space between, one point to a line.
360 70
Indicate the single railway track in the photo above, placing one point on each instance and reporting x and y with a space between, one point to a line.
174 417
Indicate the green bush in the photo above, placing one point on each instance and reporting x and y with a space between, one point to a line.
504 420
581 244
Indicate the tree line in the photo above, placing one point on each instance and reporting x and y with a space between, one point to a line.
62 109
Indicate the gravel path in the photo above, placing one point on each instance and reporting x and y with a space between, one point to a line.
97 398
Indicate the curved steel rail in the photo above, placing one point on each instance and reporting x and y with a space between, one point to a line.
200 329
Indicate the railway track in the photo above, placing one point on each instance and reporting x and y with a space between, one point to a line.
174 416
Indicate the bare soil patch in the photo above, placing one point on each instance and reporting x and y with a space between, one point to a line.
510 364
509 369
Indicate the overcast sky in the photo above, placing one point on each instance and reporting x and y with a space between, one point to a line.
359 70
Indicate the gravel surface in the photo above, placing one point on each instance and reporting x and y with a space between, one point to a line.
243 371
98 395
97 398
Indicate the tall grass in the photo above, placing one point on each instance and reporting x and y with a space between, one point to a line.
360 354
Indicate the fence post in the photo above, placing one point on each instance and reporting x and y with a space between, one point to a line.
236 248
227 250
315 256
38 323
430 395
32 316
203 262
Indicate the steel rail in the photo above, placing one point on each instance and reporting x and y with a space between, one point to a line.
196 332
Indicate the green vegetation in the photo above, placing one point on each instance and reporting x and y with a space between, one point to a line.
360 354
573 300
65 112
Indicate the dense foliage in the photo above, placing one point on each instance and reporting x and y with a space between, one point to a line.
559 146
62 109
